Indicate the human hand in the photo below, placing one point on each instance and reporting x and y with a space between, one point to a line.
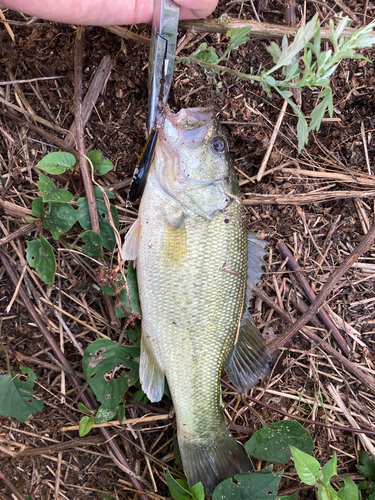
104 12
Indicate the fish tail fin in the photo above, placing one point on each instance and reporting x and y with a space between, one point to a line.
211 460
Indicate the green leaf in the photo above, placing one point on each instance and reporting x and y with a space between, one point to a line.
16 398
93 244
85 425
46 185
121 413
101 165
110 370
307 467
50 193
367 465
105 496
84 408
329 470
238 37
180 490
256 485
62 217
60 195
317 114
293 496
30 219
272 442
57 163
98 192
39 254
104 415
124 306
37 207
350 490
106 230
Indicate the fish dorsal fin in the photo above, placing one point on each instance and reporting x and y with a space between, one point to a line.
249 359
150 373
131 243
174 243
255 260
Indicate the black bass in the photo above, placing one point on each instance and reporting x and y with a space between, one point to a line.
196 266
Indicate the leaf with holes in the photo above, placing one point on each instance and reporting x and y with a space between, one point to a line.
261 485
101 165
62 217
57 163
272 442
105 227
110 370
93 244
39 254
16 399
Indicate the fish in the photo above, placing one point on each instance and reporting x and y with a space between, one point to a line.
196 265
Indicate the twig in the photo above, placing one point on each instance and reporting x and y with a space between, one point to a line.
258 30
16 234
83 166
31 80
150 418
125 33
363 134
96 87
11 487
272 141
9 307
304 198
362 377
298 273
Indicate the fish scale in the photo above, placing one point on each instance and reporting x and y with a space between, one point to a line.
193 269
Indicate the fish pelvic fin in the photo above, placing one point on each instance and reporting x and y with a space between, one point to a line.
150 374
174 243
213 458
248 362
255 260
131 243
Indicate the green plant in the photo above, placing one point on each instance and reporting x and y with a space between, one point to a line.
312 70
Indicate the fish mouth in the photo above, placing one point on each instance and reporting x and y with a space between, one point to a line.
189 127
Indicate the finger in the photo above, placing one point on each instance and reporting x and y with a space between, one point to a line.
196 9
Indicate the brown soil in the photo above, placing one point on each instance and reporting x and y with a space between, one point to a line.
43 461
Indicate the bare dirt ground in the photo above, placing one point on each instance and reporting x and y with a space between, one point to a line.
320 203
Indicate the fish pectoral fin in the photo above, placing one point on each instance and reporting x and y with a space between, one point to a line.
150 374
174 243
255 261
249 359
131 243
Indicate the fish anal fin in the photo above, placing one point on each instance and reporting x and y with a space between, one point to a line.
150 373
131 243
249 359
174 243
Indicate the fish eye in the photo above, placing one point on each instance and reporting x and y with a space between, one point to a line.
218 144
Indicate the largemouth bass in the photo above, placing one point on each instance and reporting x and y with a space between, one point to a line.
196 265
